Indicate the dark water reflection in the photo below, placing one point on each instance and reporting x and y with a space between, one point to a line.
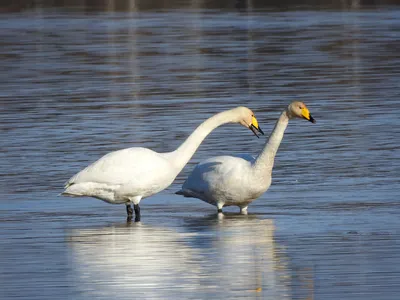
76 86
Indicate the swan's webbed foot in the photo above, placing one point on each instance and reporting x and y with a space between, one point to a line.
137 212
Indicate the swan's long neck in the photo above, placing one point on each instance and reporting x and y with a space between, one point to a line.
184 153
265 161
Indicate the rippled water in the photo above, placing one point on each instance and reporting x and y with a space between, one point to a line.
74 87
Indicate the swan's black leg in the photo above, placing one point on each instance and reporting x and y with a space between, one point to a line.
219 210
137 212
129 211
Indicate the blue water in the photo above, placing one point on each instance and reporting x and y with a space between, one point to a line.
76 86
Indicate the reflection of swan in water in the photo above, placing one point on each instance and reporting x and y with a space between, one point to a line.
132 260
234 256
245 258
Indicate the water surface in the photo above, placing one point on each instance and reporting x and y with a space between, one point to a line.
76 86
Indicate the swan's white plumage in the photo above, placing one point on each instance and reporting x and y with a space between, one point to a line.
129 175
120 176
239 180
220 181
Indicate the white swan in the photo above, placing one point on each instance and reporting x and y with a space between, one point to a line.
129 175
227 180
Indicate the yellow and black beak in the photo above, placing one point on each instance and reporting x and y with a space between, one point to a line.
254 127
306 115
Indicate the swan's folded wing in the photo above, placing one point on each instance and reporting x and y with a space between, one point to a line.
122 166
215 171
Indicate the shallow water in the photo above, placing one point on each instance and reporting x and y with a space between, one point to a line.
76 86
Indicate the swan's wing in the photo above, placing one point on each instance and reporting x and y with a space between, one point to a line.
123 166
216 173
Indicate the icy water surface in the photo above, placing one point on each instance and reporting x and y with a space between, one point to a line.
74 87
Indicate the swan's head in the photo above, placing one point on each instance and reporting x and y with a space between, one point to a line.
247 119
298 109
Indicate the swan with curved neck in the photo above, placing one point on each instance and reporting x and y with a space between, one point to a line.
228 180
129 175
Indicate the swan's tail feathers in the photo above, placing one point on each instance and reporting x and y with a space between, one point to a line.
102 191
75 190
69 194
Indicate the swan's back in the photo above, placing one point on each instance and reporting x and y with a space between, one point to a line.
217 177
122 166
